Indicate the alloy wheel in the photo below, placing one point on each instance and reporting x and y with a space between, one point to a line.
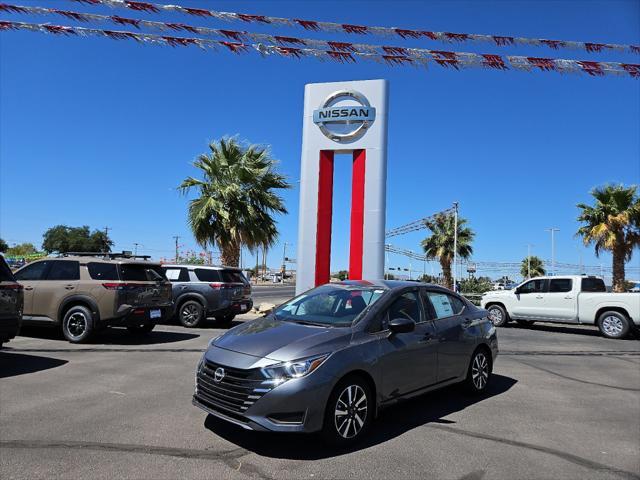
612 326
76 324
480 371
351 411
495 315
190 314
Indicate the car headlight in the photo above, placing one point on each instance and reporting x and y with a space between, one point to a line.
281 372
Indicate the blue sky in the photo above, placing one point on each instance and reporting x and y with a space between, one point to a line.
99 132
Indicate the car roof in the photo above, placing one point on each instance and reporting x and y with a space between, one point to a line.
388 284
97 259
191 266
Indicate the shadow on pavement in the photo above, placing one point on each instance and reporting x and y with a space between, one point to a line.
586 330
112 336
392 422
13 364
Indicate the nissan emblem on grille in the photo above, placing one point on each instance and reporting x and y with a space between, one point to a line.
218 375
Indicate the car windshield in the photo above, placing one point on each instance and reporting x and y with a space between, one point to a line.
337 306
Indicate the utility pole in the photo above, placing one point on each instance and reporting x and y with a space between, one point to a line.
455 244
106 238
284 260
553 230
176 238
386 264
135 248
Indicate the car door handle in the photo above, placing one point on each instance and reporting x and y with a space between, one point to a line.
28 288
427 338
69 287
466 323
539 297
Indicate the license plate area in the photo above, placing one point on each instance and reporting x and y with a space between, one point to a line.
155 313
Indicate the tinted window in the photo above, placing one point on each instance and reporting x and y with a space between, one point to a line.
103 271
445 305
406 306
64 270
134 272
560 285
5 272
208 275
35 271
176 274
533 286
593 285
233 276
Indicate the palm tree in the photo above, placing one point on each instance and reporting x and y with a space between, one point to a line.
440 244
236 198
612 224
532 267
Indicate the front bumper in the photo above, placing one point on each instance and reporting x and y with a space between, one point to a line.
301 401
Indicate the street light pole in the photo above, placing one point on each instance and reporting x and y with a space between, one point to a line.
284 265
553 230
455 244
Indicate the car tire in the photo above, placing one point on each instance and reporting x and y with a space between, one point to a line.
479 372
498 315
525 323
343 420
225 319
614 325
77 324
141 329
191 314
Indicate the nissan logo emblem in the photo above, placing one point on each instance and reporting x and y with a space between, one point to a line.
344 122
218 375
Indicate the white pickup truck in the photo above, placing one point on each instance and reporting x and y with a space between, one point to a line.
568 299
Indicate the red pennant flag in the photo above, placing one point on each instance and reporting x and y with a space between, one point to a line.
233 35
291 40
179 41
182 26
235 47
198 12
342 57
555 44
290 51
407 33
126 21
307 24
358 29
11 8
445 59
494 61
458 37
7 26
141 6
592 68
121 35
397 60
395 51
542 63
342 46
632 69
252 18
58 30
503 40
595 47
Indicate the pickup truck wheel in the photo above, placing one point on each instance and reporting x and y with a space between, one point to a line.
191 313
498 315
77 324
613 325
525 323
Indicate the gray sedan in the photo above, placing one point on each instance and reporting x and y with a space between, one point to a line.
331 358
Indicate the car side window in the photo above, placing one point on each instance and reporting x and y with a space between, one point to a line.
532 286
103 271
406 305
177 274
64 270
445 305
560 285
208 275
35 271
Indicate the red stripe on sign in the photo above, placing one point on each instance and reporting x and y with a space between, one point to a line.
325 210
357 215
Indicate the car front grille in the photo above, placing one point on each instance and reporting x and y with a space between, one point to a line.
235 392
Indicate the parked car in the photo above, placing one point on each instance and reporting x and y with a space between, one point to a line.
204 291
82 293
331 358
567 299
11 303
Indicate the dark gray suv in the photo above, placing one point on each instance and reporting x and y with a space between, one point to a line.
329 359
202 291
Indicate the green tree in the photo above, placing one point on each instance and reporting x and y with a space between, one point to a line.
440 244
475 285
532 267
236 198
612 224
63 238
342 275
21 250
3 246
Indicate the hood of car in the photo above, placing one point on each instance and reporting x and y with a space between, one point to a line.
282 341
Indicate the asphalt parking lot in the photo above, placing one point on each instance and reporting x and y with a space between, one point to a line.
564 404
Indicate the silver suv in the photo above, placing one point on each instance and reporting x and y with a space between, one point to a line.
203 291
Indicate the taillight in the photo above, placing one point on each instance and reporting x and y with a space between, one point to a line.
113 286
11 286
219 286
138 311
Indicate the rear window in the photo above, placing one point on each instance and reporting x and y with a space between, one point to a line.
176 274
34 271
102 271
5 272
135 272
233 276
64 270
593 285
208 275
560 285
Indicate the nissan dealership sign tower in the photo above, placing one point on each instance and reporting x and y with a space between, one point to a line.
343 117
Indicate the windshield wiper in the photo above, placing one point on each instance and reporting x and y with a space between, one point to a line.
307 322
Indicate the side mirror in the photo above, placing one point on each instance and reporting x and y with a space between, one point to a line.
517 291
402 325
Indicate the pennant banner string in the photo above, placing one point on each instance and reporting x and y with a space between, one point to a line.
455 60
314 25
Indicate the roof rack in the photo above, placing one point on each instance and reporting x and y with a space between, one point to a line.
110 255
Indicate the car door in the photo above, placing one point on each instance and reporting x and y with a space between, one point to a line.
560 301
456 338
407 360
528 303
31 276
61 281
